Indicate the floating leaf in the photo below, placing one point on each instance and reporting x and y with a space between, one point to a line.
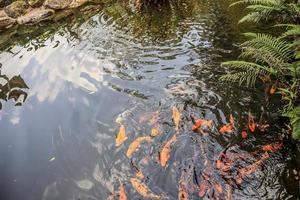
122 192
176 117
165 152
200 123
135 145
251 123
155 132
121 137
142 189
272 147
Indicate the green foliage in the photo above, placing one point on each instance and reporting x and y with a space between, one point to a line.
292 30
269 56
294 115
274 57
263 10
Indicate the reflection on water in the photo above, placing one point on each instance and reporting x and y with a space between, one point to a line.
12 88
115 65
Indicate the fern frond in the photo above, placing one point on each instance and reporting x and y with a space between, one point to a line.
251 71
292 30
271 63
264 8
244 65
294 8
260 2
247 77
253 17
276 47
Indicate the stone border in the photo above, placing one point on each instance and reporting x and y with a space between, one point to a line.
33 11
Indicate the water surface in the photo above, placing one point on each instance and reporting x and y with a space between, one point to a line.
116 64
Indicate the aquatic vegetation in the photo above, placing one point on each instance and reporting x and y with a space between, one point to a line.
272 60
123 146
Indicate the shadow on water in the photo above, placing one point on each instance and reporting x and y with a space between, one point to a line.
106 66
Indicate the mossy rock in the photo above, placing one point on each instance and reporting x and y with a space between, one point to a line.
36 3
16 9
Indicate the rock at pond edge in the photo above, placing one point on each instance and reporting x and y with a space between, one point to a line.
35 16
57 4
5 20
35 3
16 9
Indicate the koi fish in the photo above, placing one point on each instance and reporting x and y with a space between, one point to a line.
142 189
165 152
272 147
135 145
176 117
251 123
121 137
201 122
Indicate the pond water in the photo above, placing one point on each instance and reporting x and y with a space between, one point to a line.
82 77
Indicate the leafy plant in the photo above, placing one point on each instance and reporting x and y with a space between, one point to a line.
264 55
272 58
294 116
263 10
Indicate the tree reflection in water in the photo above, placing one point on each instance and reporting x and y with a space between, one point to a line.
12 88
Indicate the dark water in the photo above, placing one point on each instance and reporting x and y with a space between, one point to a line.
115 64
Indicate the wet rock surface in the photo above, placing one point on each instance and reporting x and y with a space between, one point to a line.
35 16
4 3
16 9
57 4
77 3
33 11
5 20
35 3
